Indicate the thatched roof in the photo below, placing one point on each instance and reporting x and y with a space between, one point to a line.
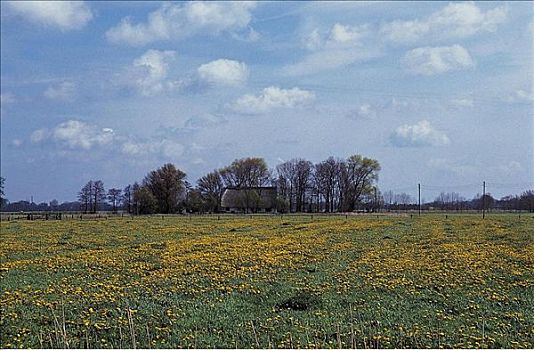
249 198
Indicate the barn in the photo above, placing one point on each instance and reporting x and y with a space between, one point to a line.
249 200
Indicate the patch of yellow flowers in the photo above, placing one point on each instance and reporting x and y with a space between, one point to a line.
103 265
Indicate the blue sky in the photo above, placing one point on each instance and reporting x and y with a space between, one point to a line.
440 93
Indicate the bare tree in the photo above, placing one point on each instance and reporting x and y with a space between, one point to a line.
211 188
3 200
388 198
98 194
127 198
403 199
285 182
326 179
303 172
114 197
85 197
135 199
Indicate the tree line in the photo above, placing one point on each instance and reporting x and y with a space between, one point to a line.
332 185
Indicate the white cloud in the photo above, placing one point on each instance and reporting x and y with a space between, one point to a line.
203 122
314 40
65 15
345 34
165 148
364 111
329 59
464 170
463 102
511 168
456 20
75 134
17 142
418 135
521 96
151 71
340 46
39 135
61 91
177 21
437 60
6 98
224 72
273 97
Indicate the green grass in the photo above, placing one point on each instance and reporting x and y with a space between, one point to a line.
245 282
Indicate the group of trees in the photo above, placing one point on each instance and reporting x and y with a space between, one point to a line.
332 185
93 195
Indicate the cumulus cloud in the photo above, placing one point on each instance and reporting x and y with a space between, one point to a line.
418 135
75 134
456 20
150 71
178 21
339 47
65 15
61 91
273 97
224 72
346 34
437 60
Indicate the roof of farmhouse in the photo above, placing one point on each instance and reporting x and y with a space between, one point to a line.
256 197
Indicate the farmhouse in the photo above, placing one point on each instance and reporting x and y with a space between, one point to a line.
249 199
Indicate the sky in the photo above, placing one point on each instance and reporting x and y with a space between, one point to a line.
439 93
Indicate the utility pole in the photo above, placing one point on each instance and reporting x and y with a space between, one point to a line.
483 199
419 192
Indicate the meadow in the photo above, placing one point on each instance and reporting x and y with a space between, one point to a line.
250 282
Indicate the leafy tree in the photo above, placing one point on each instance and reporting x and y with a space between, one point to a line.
246 172
145 201
249 174
167 186
358 174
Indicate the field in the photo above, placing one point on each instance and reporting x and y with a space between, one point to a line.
325 282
